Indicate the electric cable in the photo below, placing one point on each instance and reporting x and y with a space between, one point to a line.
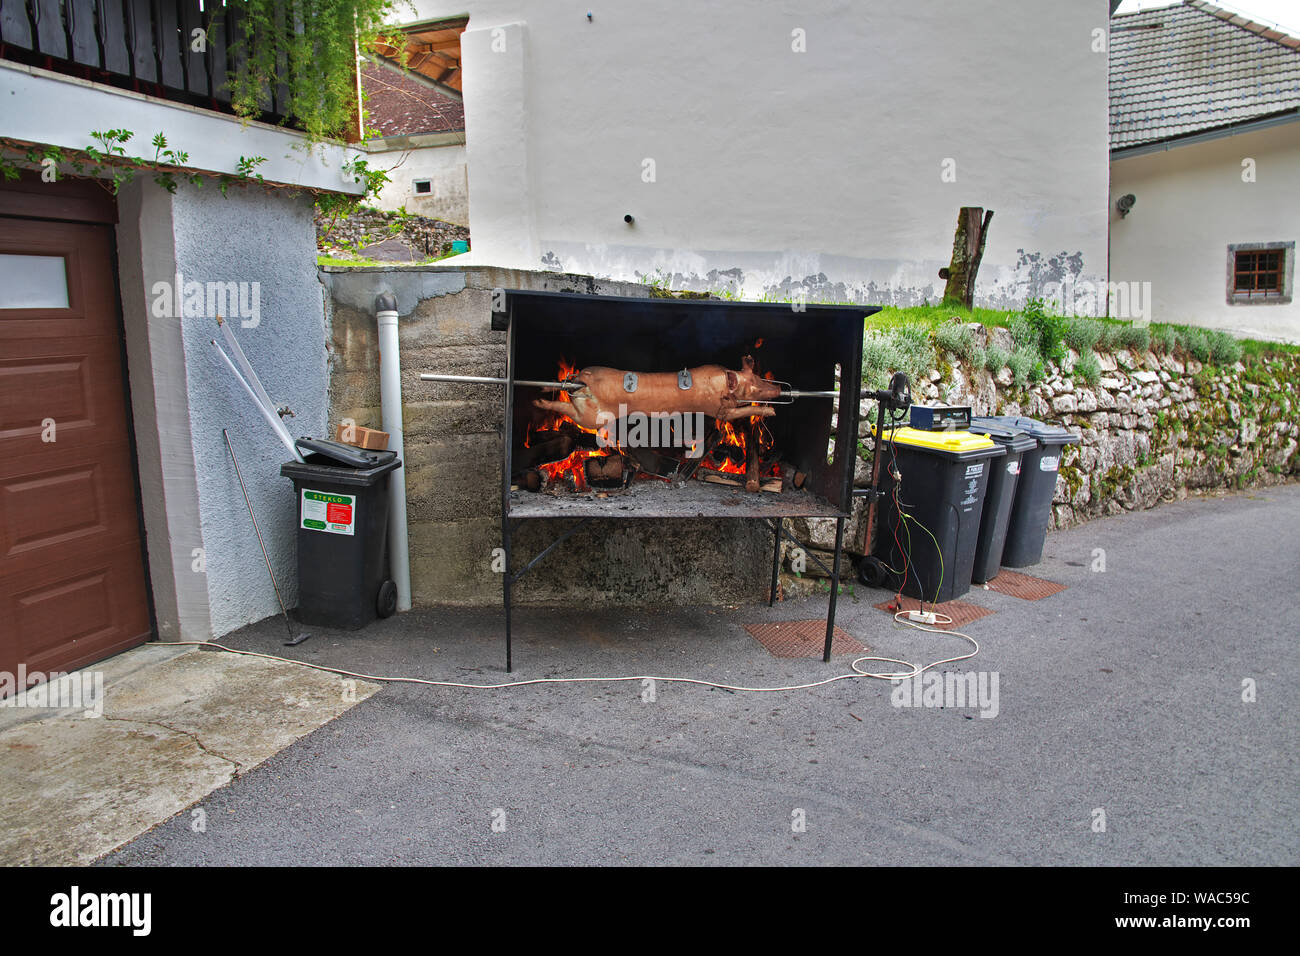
858 672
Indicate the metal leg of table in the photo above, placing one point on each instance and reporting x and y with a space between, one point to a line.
776 562
507 582
835 589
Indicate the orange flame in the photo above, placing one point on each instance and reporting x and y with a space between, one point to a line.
550 425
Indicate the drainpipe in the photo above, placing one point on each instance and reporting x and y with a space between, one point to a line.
390 393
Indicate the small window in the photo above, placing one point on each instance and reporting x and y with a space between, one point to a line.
1260 272
423 187
33 282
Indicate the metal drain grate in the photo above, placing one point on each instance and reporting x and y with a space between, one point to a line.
961 612
1023 586
802 638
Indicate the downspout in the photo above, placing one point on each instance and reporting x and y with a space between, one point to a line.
390 395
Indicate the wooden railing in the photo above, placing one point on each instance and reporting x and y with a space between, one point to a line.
173 49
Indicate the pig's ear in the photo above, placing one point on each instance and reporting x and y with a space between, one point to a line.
747 362
732 381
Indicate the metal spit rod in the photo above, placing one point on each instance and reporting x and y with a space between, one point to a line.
577 386
488 380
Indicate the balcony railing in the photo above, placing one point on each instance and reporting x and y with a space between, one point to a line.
172 49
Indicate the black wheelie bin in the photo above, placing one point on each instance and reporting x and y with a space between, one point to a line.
343 495
927 549
1034 490
1000 497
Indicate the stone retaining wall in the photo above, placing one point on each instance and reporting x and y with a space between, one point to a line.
1153 428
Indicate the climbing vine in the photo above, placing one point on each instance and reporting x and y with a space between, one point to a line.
105 160
310 47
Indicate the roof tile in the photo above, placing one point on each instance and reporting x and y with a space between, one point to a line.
1180 70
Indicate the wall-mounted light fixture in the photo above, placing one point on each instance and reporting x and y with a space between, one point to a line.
1125 204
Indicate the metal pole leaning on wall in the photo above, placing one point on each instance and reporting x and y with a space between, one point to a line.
390 393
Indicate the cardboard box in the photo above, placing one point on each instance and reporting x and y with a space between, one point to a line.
362 437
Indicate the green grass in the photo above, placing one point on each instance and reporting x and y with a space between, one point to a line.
1039 336
324 260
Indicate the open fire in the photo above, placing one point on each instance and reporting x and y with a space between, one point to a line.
561 454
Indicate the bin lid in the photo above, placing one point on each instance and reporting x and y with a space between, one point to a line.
949 444
1016 440
339 464
337 453
1046 433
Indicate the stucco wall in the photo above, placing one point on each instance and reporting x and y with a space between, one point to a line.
264 236
443 166
777 170
1192 202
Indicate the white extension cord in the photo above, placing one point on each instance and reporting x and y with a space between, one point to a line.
857 671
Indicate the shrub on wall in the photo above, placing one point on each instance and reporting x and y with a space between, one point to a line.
1088 368
955 337
1082 335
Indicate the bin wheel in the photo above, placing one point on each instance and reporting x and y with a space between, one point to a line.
872 572
386 603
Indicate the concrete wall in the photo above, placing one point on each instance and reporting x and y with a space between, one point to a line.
1192 202
775 170
443 166
183 396
453 458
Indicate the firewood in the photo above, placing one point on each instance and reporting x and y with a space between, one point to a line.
772 484
751 460
543 452
604 469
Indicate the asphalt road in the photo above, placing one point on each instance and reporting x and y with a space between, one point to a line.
1121 695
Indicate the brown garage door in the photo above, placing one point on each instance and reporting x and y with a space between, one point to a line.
72 581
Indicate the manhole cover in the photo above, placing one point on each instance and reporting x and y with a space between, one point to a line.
802 639
961 612
1023 586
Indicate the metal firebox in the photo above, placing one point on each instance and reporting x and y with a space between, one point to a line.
813 425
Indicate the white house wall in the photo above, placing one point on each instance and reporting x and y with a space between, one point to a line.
1192 203
443 166
776 171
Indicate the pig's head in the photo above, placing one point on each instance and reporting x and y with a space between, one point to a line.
747 386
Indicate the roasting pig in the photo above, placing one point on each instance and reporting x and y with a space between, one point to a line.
715 391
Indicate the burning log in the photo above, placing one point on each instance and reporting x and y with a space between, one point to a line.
653 463
604 470
544 452
531 480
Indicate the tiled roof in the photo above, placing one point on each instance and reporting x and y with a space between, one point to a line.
403 105
1186 69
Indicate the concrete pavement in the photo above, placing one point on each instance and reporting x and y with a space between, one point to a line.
1120 702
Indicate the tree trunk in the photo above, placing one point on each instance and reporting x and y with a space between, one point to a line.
967 251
